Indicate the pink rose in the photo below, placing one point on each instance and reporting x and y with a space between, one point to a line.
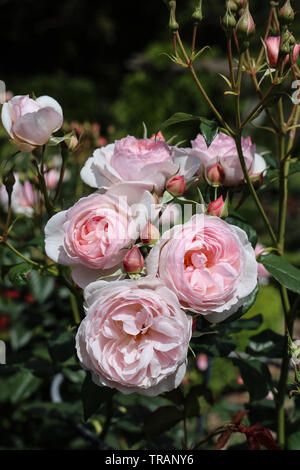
223 151
209 264
148 161
135 336
272 47
30 123
216 207
23 198
92 236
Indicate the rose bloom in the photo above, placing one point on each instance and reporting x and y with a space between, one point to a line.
148 161
94 234
223 151
29 122
134 337
272 49
209 264
24 198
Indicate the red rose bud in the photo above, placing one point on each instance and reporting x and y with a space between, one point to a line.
158 136
133 261
149 234
286 14
176 185
217 208
215 174
246 26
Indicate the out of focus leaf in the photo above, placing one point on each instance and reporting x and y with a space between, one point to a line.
93 396
284 272
256 377
41 286
18 274
162 419
267 343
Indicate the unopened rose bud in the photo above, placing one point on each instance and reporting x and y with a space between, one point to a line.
198 15
217 208
228 23
286 14
246 26
155 197
72 143
231 5
133 261
149 234
173 25
9 181
287 44
158 136
215 175
176 185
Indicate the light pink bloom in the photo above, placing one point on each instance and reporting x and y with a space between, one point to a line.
51 178
209 264
262 274
92 236
148 162
223 151
202 362
30 123
24 198
272 46
135 336
133 261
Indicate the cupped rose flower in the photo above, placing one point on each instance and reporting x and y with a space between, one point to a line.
272 49
209 264
29 122
24 197
148 161
222 150
134 337
94 234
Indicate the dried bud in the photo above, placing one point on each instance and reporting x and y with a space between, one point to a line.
133 261
176 185
218 207
246 26
9 181
286 14
215 175
173 25
198 15
228 23
149 234
287 43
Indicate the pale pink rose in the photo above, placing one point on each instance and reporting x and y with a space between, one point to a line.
223 151
272 48
94 234
51 178
135 336
176 185
29 122
148 161
209 264
262 274
216 207
24 197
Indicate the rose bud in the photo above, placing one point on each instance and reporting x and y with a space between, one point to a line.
215 175
246 26
286 14
72 143
231 5
176 185
217 208
158 136
149 234
202 362
51 178
133 261
198 15
228 23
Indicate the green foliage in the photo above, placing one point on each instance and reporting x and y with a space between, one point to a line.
283 271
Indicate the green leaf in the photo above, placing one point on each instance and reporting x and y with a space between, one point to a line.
209 130
294 168
256 377
167 197
62 345
215 345
251 233
178 118
175 396
22 385
284 272
248 302
267 343
93 396
41 286
271 160
162 419
19 274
